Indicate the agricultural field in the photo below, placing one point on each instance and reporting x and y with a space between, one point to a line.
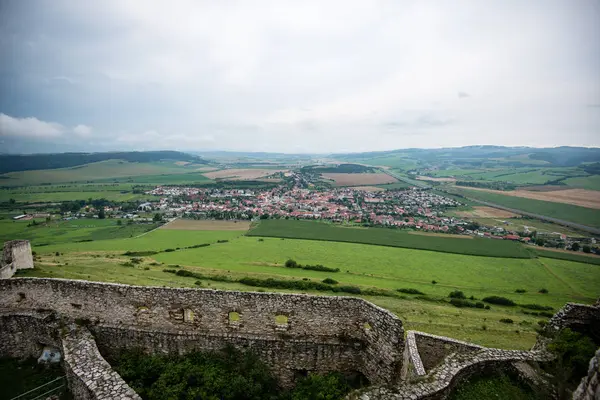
577 197
360 179
485 212
94 172
206 225
589 182
395 186
387 237
59 231
51 193
237 174
232 255
566 212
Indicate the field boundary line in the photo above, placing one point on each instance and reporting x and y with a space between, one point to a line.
547 268
145 233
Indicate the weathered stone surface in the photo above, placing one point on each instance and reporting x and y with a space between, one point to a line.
455 369
578 317
589 388
423 351
323 333
89 375
16 255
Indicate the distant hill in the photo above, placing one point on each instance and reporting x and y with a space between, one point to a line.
476 155
28 162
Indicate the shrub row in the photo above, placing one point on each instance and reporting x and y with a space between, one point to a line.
502 301
410 291
293 264
196 275
538 314
275 283
537 307
466 303
140 253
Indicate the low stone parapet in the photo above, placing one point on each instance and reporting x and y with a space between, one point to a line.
457 368
90 377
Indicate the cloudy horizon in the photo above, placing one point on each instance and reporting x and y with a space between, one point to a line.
298 77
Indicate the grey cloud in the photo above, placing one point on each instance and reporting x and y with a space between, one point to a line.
284 76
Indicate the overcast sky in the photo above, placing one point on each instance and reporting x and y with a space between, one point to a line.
297 76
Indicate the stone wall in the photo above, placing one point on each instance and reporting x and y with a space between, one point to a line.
424 351
24 334
442 380
589 388
287 358
19 253
578 317
7 271
90 377
322 333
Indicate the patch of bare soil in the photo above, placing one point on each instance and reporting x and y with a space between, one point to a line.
206 225
486 212
577 197
366 179
242 174
429 178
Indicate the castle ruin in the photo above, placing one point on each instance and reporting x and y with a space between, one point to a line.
292 333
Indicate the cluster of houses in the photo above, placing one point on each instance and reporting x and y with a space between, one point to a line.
414 208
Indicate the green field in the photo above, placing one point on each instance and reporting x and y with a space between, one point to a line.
364 266
571 256
388 237
589 182
69 231
567 212
60 196
98 172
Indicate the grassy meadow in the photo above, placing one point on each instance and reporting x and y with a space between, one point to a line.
69 232
235 256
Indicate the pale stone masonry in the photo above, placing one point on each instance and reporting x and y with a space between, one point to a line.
323 333
589 388
16 255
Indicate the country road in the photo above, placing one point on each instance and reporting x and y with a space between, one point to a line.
538 216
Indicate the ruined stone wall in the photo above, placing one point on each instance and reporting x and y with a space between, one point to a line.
578 317
17 252
589 388
90 377
432 349
287 358
321 333
7 271
25 333
443 379
424 351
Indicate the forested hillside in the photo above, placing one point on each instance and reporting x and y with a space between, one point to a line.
27 162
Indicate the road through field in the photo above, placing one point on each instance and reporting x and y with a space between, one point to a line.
542 217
